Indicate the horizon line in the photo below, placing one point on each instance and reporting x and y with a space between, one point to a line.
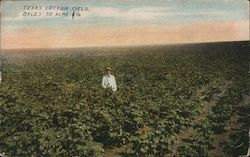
124 46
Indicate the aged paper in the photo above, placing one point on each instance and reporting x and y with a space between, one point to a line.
113 78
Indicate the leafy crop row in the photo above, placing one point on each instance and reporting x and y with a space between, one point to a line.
54 105
201 143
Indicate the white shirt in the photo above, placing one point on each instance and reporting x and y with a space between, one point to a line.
108 81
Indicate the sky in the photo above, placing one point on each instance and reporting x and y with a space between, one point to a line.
49 23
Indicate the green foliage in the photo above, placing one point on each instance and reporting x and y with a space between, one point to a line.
200 143
54 105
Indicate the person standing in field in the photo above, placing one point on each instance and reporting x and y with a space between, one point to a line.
108 80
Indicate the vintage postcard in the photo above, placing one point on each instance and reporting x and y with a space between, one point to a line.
124 78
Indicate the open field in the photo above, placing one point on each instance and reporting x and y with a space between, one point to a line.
172 100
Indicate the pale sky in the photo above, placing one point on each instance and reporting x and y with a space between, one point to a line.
122 22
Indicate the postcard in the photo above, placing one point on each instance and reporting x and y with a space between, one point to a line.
124 78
